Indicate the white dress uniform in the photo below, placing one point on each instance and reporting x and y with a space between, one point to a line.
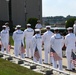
70 40
28 34
18 39
8 29
46 40
57 43
37 42
4 39
38 26
74 28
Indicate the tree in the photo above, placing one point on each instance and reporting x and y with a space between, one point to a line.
32 21
70 22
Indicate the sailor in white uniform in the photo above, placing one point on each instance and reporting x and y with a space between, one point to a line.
38 25
4 39
56 44
70 40
37 43
28 34
7 29
46 40
18 41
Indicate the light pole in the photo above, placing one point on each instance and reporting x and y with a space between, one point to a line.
25 11
9 10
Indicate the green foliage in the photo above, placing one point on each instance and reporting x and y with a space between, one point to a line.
32 21
22 29
8 68
70 22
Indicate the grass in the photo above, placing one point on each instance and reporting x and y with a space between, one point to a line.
8 68
11 41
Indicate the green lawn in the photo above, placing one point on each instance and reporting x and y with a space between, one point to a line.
11 41
8 68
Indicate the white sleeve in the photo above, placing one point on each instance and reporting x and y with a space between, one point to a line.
63 41
36 26
43 37
51 41
23 39
33 32
33 41
66 42
13 36
24 34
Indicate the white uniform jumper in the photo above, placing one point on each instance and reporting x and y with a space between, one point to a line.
57 43
8 29
70 40
18 39
37 41
38 26
46 39
28 34
4 40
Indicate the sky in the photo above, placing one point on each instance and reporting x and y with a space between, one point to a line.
58 8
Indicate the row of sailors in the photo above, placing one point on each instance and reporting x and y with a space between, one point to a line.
49 39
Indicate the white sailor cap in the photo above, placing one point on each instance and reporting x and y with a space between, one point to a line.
56 28
4 26
18 26
69 28
37 30
28 24
6 23
48 26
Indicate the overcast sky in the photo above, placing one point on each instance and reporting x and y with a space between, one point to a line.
58 8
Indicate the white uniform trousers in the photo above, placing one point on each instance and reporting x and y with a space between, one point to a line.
22 55
17 48
55 63
69 63
29 49
4 45
40 59
46 52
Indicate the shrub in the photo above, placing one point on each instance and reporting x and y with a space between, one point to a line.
32 21
70 22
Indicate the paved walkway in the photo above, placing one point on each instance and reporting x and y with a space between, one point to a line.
64 62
